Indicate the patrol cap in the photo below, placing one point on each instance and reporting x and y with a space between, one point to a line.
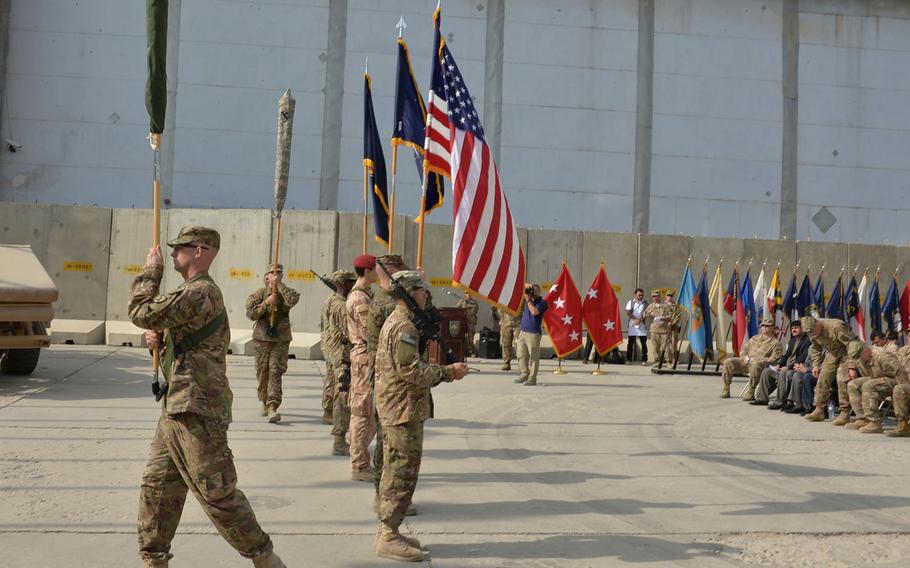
409 279
341 276
392 260
767 322
655 292
671 292
365 261
198 236
854 348
808 323
274 268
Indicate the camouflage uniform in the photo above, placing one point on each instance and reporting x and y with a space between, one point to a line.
762 351
360 397
470 307
403 383
189 450
877 379
271 351
336 352
833 341
508 325
660 316
328 381
381 308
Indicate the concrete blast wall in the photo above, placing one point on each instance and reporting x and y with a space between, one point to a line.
94 253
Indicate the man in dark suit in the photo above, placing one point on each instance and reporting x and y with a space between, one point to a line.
780 377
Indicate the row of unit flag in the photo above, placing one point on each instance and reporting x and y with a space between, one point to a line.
447 140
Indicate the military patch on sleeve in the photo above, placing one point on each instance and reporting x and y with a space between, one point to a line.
160 299
409 339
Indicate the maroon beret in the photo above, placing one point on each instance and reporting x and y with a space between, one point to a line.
365 261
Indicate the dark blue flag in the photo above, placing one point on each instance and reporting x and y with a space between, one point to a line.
819 295
705 303
410 124
747 303
835 308
875 306
790 300
805 300
851 300
891 308
374 161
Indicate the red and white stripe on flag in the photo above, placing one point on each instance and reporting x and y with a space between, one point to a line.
437 145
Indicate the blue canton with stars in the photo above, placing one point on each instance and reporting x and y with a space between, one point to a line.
462 112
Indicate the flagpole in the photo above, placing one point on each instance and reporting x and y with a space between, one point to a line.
155 141
559 370
365 182
678 341
392 197
423 191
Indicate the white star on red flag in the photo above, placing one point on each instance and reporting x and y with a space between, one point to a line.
592 293
601 314
561 303
564 313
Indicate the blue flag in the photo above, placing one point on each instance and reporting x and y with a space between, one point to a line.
790 300
851 300
819 295
891 308
747 303
410 122
688 301
875 306
704 303
374 161
835 309
805 299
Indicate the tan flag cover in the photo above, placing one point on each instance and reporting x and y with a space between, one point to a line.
283 149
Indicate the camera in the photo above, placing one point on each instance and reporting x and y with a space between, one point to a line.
529 290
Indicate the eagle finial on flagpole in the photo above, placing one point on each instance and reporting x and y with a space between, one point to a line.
401 25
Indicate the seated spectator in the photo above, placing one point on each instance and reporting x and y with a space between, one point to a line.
754 357
805 383
892 341
879 341
873 376
779 377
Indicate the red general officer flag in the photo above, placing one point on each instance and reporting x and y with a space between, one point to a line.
601 314
563 316
905 307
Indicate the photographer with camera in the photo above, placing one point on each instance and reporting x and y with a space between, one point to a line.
529 335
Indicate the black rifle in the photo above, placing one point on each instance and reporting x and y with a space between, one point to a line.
426 321
326 281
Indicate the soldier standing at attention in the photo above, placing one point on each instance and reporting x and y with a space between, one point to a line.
360 397
270 344
381 308
403 383
337 354
659 315
189 449
470 307
831 337
507 326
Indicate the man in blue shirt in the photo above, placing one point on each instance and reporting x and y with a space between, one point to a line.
529 335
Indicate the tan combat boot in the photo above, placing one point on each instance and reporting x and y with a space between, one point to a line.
856 424
268 560
506 367
872 428
263 411
817 415
390 544
273 414
155 562
843 418
340 447
725 393
902 430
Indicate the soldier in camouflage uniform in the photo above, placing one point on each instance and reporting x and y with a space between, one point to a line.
189 450
403 382
831 337
873 377
900 399
757 354
336 352
508 325
360 397
470 307
660 317
381 308
270 346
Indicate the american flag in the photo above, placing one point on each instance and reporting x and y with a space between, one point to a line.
486 254
438 138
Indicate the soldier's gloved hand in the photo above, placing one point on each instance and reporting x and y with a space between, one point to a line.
153 339
461 369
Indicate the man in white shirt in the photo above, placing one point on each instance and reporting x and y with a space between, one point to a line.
635 310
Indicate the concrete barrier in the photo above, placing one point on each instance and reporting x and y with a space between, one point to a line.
73 244
619 252
131 236
661 260
77 332
871 257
